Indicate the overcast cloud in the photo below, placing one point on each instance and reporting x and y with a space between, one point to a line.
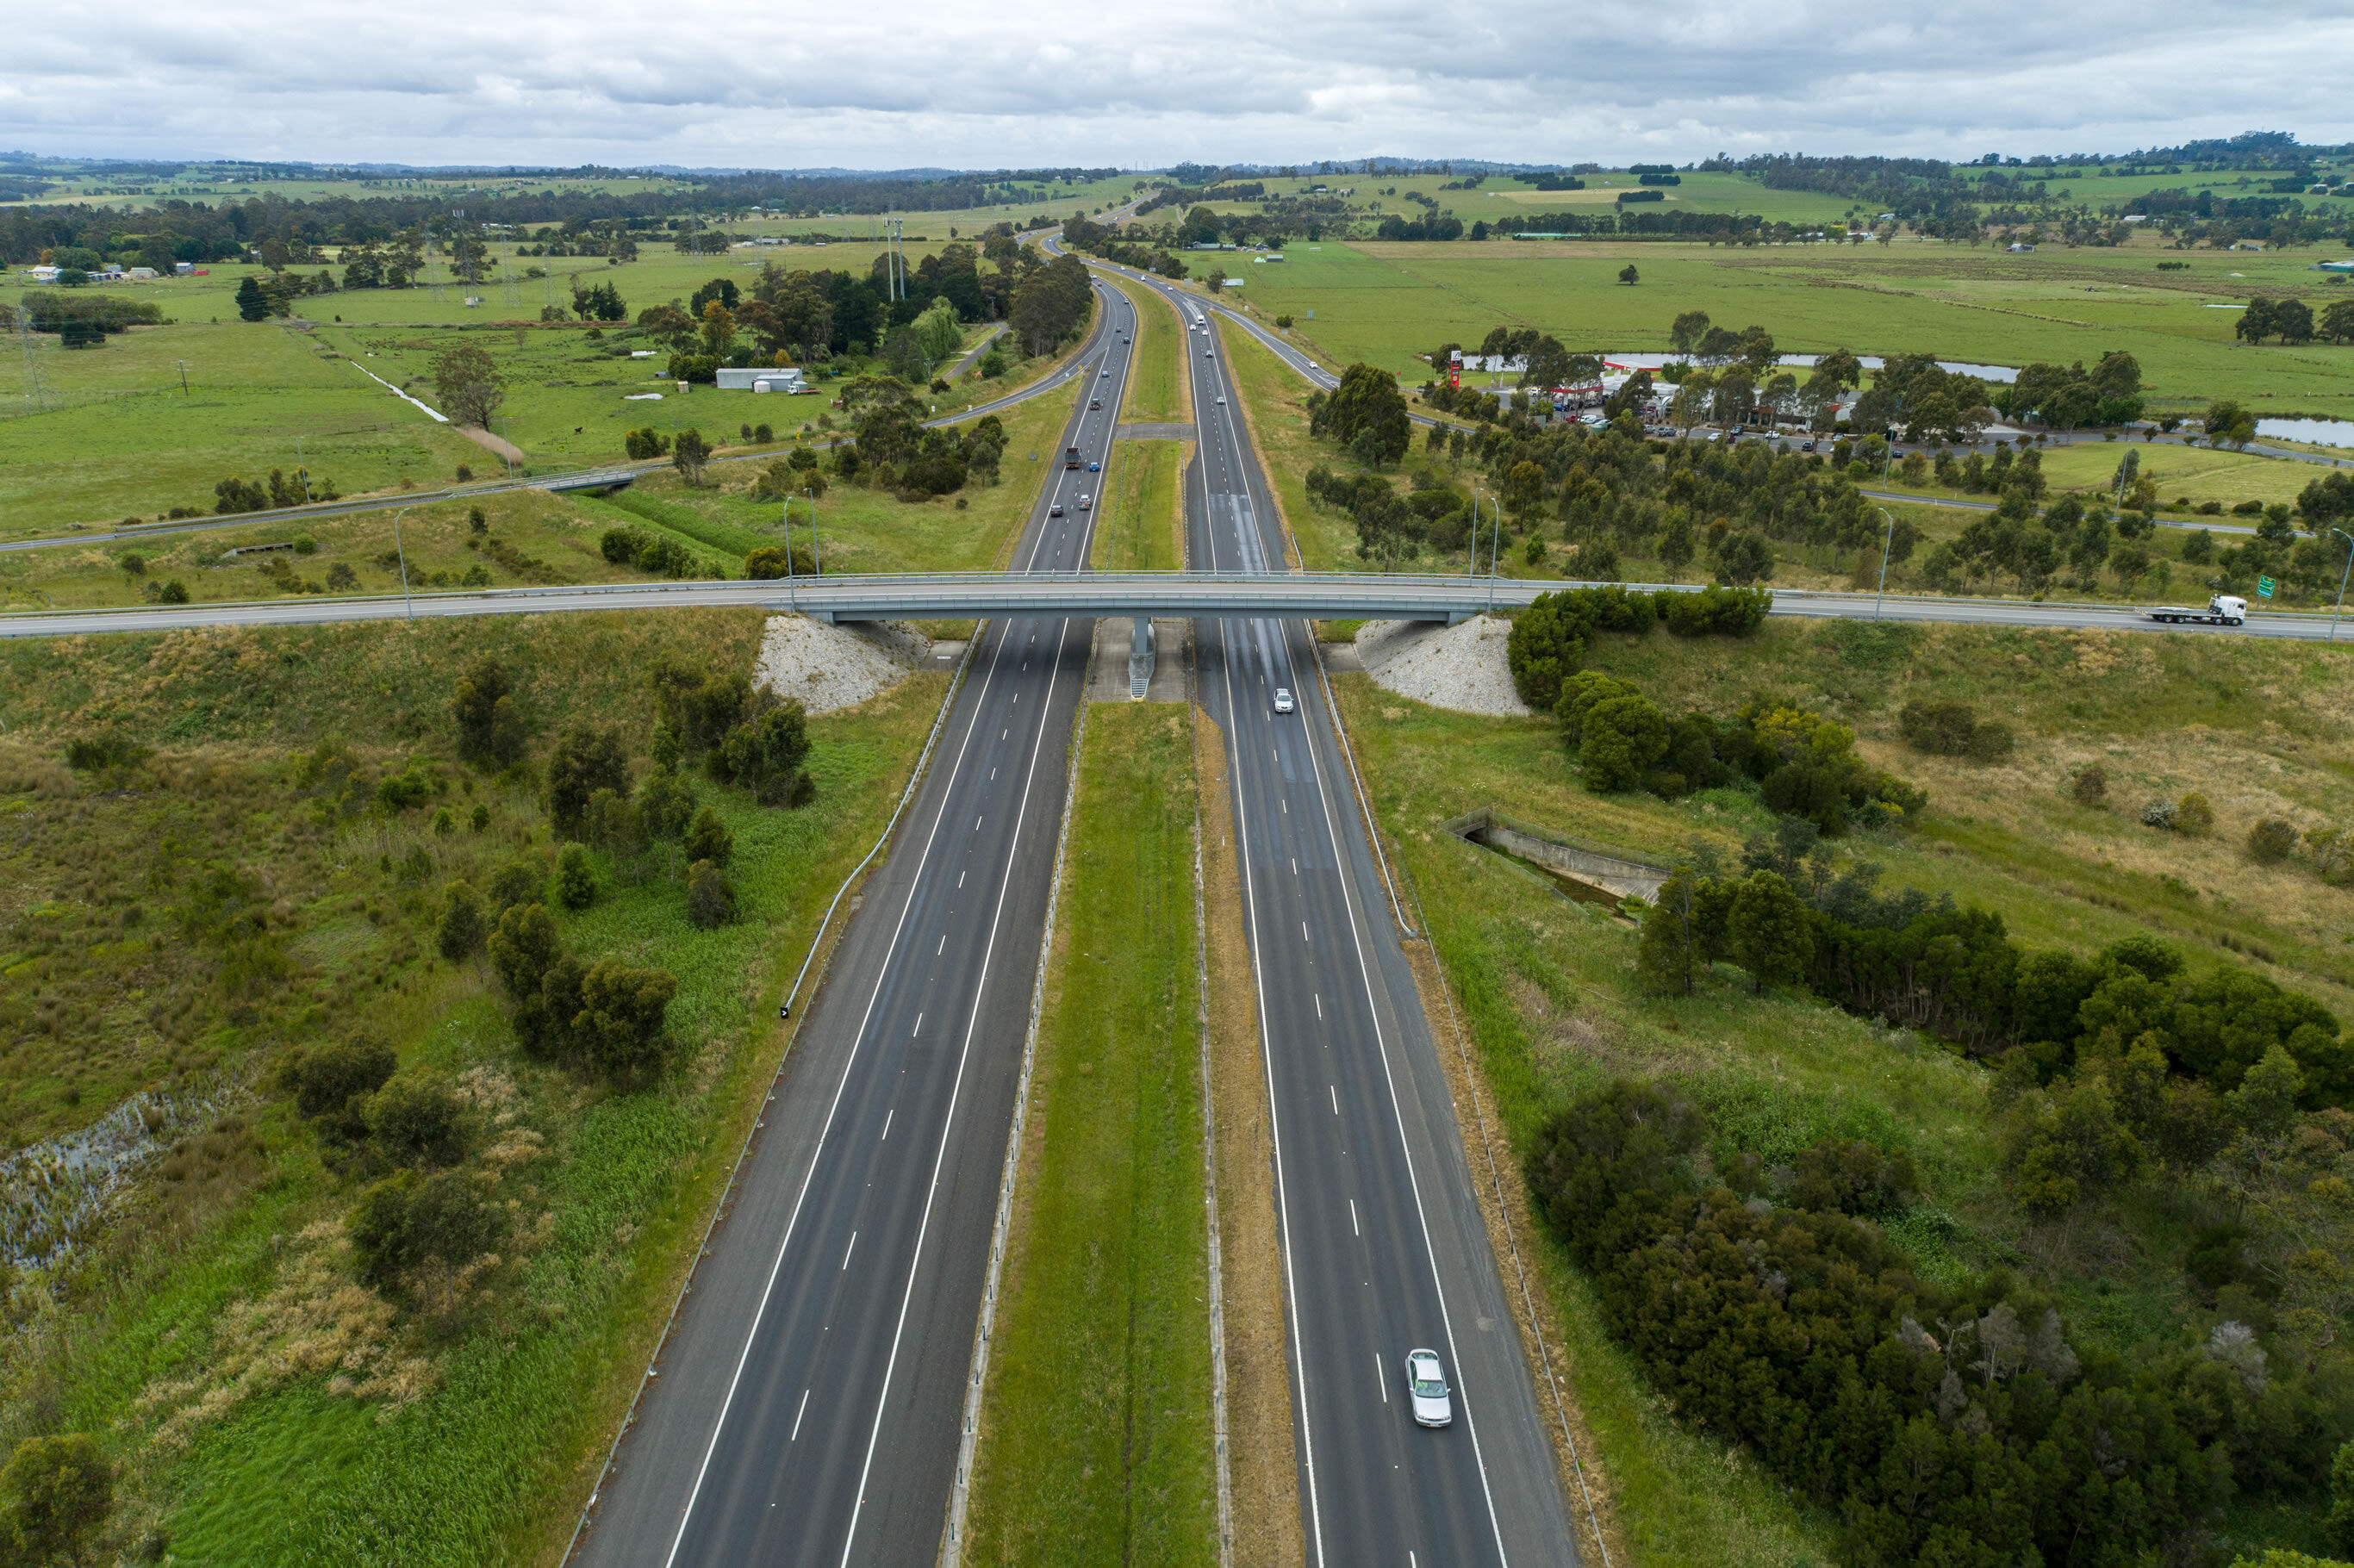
1118 82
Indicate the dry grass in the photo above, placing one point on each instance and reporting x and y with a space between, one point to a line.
1266 1476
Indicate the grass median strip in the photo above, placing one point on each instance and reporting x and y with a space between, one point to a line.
1096 1441
1153 389
1138 532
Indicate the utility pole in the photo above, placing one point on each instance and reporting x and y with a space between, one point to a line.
1886 545
817 561
2341 581
302 473
408 603
184 378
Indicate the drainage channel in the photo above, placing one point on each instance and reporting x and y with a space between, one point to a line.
1605 876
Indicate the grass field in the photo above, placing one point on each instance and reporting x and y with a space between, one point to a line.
118 436
1549 988
192 1342
533 537
1097 1442
1387 303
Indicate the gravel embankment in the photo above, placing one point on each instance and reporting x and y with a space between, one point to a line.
1459 667
829 667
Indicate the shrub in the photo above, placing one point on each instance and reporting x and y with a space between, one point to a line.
54 1495
710 838
1941 729
622 1027
462 930
586 759
1991 742
491 731
2194 815
576 877
398 791
402 1222
2089 787
524 946
173 592
2271 841
710 901
765 756
2159 814
325 1079
520 881
1622 738
418 1121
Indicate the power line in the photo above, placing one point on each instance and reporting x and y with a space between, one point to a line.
37 386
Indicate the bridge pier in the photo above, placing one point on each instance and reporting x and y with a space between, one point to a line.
1142 649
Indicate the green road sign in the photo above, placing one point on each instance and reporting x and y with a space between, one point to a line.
2264 587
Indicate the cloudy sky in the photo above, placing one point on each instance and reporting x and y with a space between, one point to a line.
923 82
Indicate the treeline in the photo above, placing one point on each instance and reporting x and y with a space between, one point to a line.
178 229
80 319
1933 1424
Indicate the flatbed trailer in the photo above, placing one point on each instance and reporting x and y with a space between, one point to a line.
2223 609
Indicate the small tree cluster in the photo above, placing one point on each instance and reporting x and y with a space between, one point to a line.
1953 729
606 1017
655 556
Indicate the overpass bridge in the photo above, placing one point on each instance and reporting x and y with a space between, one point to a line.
1143 596
913 596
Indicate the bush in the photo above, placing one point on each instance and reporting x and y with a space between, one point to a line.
2271 841
1622 738
325 1079
2159 814
765 756
460 931
576 877
2089 787
524 946
520 881
710 901
1941 729
2194 815
173 592
622 1027
54 1495
710 839
1991 742
418 1121
1717 610
490 732
586 759
402 1222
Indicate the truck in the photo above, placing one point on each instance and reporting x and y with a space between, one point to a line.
1070 457
2223 609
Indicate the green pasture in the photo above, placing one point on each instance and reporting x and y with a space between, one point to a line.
1386 304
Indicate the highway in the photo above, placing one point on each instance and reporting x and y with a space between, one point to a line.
1384 1248
808 1403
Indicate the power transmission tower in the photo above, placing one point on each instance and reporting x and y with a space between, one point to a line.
37 386
433 269
513 285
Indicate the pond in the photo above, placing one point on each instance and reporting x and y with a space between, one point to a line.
2315 432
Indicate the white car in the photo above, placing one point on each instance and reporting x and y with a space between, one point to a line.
1086 503
1221 398
1283 703
1426 1387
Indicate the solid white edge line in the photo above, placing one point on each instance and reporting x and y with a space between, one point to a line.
948 1125
964 1055
1267 1055
1405 1147
914 883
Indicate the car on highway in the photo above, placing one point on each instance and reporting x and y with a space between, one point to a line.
1086 503
1283 703
1222 397
1095 468
1210 352
1426 1387
1056 510
1107 375
1095 402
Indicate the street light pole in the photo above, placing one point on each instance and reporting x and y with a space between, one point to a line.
1471 562
1887 542
2341 581
407 603
1494 535
817 561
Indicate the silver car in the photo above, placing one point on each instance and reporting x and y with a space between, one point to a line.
1426 1387
1283 703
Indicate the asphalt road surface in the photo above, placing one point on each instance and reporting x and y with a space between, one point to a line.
809 1401
1384 1248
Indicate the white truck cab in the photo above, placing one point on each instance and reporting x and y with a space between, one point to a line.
2223 609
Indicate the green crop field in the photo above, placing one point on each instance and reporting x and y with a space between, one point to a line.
1097 1443
1386 304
